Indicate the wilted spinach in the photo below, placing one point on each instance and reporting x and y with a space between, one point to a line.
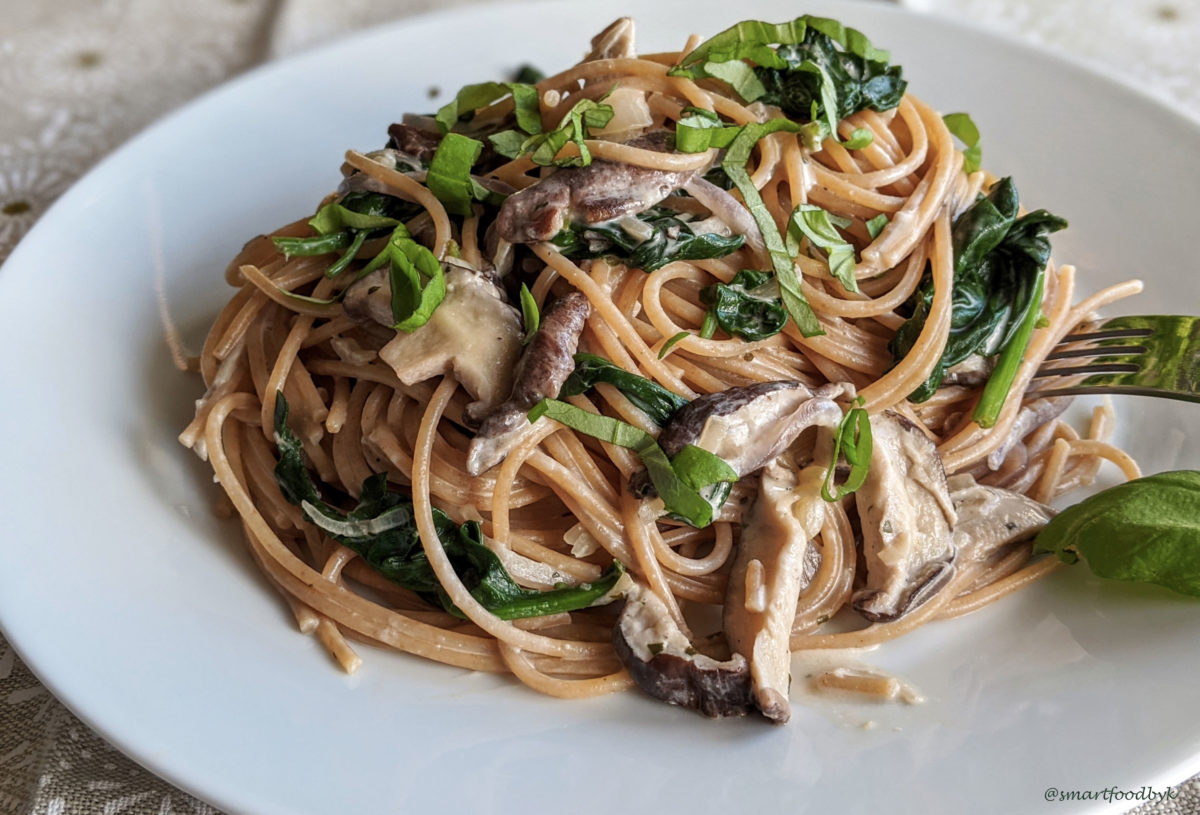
381 528
663 238
999 260
650 397
748 306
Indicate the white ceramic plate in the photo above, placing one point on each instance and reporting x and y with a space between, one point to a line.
143 613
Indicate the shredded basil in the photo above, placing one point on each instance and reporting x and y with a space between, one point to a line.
526 104
449 176
382 529
683 483
650 397
575 126
748 306
734 165
854 442
417 281
876 225
1146 530
820 227
671 343
962 128
530 316
343 226
662 236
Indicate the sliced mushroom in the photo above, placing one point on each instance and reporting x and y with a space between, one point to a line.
473 334
906 514
546 363
663 663
1030 417
990 518
599 192
728 209
614 42
748 426
772 566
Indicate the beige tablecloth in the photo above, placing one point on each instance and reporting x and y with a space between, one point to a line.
79 77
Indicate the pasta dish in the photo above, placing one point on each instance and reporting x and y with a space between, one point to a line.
742 332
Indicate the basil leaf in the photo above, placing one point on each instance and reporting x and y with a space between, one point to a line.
747 306
962 128
729 44
661 236
650 397
876 225
678 486
526 104
734 165
315 245
507 143
695 134
417 281
449 176
859 139
818 226
739 76
575 126
853 440
335 217
1146 530
530 317
382 529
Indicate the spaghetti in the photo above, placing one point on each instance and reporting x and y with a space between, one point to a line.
559 508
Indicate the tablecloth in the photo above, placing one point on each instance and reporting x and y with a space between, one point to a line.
78 78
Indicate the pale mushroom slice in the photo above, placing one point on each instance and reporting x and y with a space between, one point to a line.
543 367
770 570
473 334
662 662
906 514
990 518
748 426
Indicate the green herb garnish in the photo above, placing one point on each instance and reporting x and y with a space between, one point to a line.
854 442
1146 530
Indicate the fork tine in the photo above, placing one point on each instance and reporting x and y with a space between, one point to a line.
1165 361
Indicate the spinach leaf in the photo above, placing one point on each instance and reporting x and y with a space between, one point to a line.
824 81
382 530
650 397
692 486
1146 530
529 74
531 318
999 259
747 306
657 237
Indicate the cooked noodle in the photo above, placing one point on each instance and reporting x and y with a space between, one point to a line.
561 498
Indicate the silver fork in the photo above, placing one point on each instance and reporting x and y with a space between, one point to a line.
1151 355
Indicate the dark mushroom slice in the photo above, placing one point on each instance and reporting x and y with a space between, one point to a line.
601 191
543 367
990 518
473 334
772 566
748 426
906 514
663 663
